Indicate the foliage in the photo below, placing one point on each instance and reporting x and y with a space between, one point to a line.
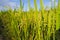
29 25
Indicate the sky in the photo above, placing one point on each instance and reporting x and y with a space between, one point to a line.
5 4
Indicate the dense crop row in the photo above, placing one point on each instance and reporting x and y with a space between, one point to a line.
30 25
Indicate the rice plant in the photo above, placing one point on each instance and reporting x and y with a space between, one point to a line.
32 24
